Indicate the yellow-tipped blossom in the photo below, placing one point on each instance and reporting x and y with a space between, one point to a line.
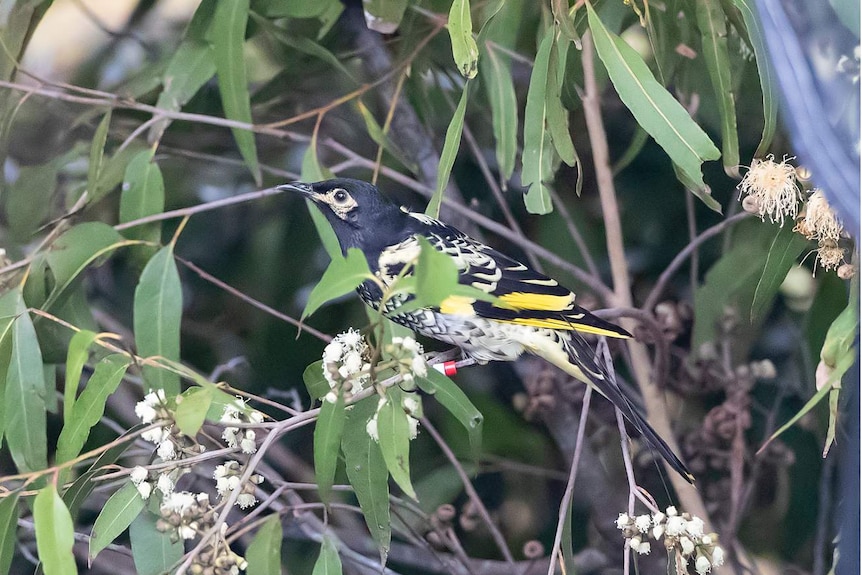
772 189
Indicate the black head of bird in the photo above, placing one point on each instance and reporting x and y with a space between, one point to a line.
360 216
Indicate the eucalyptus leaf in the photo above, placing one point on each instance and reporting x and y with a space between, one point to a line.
8 530
158 308
450 151
651 104
327 438
328 562
464 49
55 534
536 148
264 552
227 35
384 16
393 430
192 408
152 550
342 276
115 517
457 403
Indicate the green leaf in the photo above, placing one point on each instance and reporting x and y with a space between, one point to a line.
192 408
342 276
115 517
302 44
191 66
327 438
785 249
25 396
384 16
497 78
264 551
158 308
557 115
76 357
464 49
328 562
28 201
713 31
97 156
312 171
560 9
366 471
90 407
143 195
80 490
457 403
153 551
768 81
55 534
315 382
651 104
76 249
536 150
449 153
394 432
376 133
8 530
113 170
227 34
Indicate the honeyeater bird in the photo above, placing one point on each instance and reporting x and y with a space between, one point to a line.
539 316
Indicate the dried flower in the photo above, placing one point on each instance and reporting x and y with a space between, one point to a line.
773 189
820 222
830 254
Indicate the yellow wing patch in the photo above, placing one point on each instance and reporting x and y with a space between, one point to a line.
555 323
458 305
538 302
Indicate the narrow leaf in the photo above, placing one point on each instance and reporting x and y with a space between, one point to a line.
366 471
157 311
115 517
25 397
342 276
782 255
192 408
76 357
189 69
557 115
560 9
394 432
97 155
449 153
143 195
153 551
768 82
327 438
55 534
328 562
536 149
457 403
227 34
713 31
264 551
77 248
312 171
8 530
464 49
8 306
90 407
651 104
497 78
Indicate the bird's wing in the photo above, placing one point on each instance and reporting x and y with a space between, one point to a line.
532 299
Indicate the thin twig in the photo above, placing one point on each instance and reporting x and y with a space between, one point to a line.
565 503
680 258
498 538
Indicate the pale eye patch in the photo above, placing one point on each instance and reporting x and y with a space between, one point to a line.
340 201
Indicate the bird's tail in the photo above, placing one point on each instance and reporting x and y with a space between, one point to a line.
582 365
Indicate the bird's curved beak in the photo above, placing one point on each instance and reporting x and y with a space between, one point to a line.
300 187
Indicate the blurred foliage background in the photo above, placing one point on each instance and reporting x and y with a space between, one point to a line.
278 90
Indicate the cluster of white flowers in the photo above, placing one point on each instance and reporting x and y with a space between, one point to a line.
409 355
234 436
771 189
681 534
227 478
182 511
154 408
345 364
411 403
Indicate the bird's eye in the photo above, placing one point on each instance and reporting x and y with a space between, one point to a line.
340 197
